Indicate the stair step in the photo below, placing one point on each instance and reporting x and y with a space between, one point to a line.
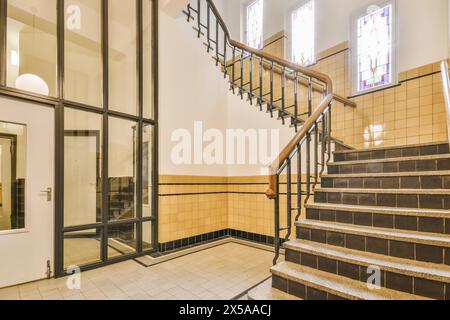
420 220
408 236
405 164
385 191
312 284
432 213
412 268
403 198
407 180
265 292
425 247
393 152
388 174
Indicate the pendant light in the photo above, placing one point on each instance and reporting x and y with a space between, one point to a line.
28 81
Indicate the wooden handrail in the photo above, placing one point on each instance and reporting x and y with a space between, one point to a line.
293 66
446 91
310 122
316 87
287 64
271 193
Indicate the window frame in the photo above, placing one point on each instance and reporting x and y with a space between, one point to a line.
244 22
59 104
354 46
288 25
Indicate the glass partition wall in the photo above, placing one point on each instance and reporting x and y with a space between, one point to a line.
94 62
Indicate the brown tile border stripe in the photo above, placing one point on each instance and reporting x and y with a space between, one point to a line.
209 193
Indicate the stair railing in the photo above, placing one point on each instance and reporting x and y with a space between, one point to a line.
446 91
247 69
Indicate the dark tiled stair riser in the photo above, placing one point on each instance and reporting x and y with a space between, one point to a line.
378 220
392 153
391 166
398 182
391 280
394 248
422 201
301 291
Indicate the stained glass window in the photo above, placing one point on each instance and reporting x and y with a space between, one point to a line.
303 34
375 48
255 24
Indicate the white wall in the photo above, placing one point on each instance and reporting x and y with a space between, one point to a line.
423 25
192 89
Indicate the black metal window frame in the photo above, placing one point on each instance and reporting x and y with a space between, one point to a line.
59 104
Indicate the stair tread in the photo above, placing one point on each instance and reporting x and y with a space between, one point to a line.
401 235
388 174
266 292
381 210
394 147
425 270
385 191
431 157
337 285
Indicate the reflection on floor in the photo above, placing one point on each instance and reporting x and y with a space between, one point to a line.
221 273
81 251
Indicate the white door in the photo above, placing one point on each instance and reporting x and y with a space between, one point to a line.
26 234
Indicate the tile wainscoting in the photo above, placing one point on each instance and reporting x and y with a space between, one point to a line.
194 209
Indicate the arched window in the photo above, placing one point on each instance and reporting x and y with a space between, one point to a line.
254 19
375 47
301 26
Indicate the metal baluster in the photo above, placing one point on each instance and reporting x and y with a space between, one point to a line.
277 223
283 92
316 153
261 84
250 94
308 167
199 23
208 29
233 70
241 92
225 54
310 92
271 89
329 132
289 199
323 141
299 182
189 16
296 101
217 42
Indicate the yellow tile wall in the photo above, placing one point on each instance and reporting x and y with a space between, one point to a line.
186 210
236 203
410 113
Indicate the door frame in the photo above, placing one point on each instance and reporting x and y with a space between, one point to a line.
13 139
58 103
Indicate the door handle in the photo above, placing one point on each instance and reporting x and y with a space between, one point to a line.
48 192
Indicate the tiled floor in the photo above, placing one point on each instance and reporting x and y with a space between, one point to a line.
218 273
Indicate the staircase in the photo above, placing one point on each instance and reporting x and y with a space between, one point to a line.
383 210
373 224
